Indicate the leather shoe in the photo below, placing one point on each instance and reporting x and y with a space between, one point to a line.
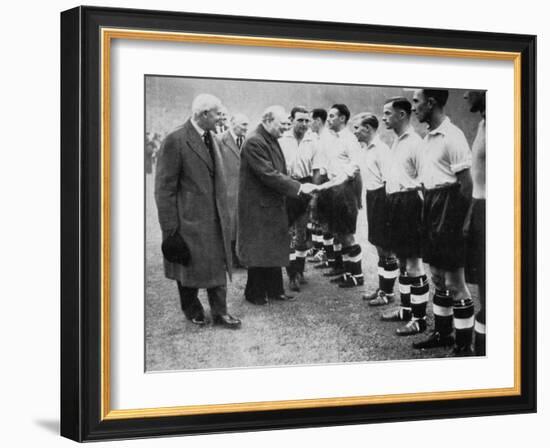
227 321
351 281
396 315
294 284
413 327
323 265
199 320
461 351
382 299
334 272
371 296
283 298
434 340
339 279
318 257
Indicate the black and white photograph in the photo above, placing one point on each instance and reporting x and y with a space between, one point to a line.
291 223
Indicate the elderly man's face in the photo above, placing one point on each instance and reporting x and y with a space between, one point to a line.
240 127
210 118
286 123
278 125
223 118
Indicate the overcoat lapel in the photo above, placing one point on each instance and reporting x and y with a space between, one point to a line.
197 145
230 141
276 153
220 185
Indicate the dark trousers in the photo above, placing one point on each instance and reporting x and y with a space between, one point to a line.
264 282
191 305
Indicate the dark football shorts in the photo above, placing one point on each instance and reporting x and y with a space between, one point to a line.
297 207
474 232
376 217
404 223
338 207
445 210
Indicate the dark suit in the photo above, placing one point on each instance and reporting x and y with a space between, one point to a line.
190 192
262 235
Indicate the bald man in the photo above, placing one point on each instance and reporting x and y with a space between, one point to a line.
262 235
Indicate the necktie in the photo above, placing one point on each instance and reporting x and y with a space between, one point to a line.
240 139
208 142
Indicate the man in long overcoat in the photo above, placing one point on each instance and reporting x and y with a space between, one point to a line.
190 192
262 236
231 143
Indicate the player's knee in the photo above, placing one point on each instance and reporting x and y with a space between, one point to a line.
415 267
348 240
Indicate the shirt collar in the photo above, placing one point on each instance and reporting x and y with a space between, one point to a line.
342 132
374 142
199 130
443 128
290 135
406 133
308 136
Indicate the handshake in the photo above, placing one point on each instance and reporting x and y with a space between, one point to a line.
309 189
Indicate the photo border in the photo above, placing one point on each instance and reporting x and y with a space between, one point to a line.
86 37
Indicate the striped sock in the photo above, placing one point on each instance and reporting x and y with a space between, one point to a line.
291 268
345 261
317 238
405 294
463 319
353 257
309 231
301 254
420 292
479 330
443 312
381 262
328 243
338 262
390 273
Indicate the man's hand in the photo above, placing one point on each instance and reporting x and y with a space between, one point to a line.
325 186
309 188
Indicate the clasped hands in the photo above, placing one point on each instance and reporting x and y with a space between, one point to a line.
310 189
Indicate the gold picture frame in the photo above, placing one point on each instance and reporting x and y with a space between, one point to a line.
97 419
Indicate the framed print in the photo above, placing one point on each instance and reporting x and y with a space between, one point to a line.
277 224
